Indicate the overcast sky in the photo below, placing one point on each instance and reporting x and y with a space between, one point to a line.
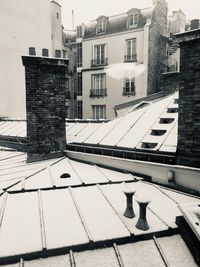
86 10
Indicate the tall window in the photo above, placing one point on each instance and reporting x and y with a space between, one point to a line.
133 20
131 53
98 85
79 83
129 86
99 81
79 54
99 55
99 112
102 25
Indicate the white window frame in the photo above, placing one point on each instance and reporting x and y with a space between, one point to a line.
98 81
130 89
101 55
131 48
133 20
99 111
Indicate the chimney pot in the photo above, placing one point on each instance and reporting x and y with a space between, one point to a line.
129 212
142 223
32 51
45 52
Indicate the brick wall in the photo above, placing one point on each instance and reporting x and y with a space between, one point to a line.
188 152
45 105
157 46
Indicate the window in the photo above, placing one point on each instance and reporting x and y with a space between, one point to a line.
79 54
101 24
98 85
129 86
99 112
131 53
79 82
99 55
79 31
99 81
80 109
133 20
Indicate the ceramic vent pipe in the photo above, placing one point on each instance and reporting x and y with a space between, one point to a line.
142 223
129 212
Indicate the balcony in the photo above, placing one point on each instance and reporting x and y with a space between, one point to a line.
127 91
98 92
130 58
99 62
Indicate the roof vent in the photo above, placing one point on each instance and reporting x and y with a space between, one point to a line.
149 145
172 110
158 132
65 175
176 101
166 120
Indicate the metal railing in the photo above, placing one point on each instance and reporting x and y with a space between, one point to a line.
130 58
98 92
127 91
99 62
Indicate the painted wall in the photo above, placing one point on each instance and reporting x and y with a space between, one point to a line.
23 23
115 54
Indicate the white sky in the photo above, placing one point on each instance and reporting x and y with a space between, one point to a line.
86 10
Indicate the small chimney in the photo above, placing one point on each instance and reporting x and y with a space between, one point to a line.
32 51
45 106
188 150
194 24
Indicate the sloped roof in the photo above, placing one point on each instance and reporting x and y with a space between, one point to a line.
149 127
117 23
51 214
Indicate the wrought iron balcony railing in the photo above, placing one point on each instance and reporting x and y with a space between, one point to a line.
128 91
98 92
130 58
99 62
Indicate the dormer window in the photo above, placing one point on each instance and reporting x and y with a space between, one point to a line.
133 18
101 24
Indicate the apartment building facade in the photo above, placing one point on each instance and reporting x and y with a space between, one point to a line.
137 36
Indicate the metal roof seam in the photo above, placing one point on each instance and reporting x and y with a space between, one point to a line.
132 125
123 117
42 223
99 169
93 131
3 206
75 171
72 259
162 254
119 216
51 177
26 177
86 228
118 255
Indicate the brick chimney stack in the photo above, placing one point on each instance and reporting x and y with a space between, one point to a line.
188 151
45 105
